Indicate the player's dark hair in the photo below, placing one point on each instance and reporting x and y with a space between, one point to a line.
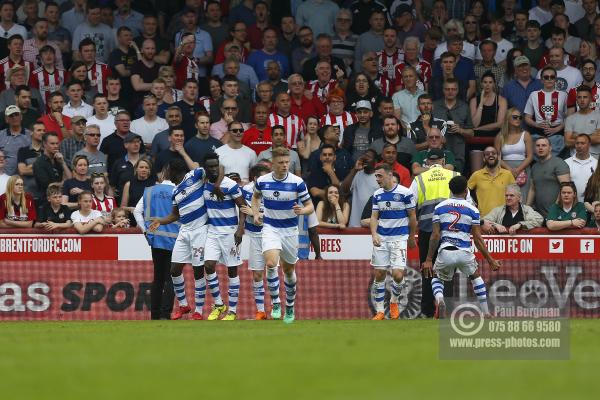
175 128
86 42
210 156
176 170
327 146
458 185
258 170
584 88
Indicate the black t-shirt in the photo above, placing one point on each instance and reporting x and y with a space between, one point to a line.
74 183
198 148
119 104
147 75
160 43
189 117
46 214
163 159
121 172
113 147
368 209
118 57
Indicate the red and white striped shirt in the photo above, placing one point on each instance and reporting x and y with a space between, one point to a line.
47 82
321 92
343 120
293 124
384 85
186 68
547 106
386 63
595 103
6 64
423 70
105 205
97 75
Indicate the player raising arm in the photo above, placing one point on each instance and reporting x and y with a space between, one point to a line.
393 226
281 192
453 222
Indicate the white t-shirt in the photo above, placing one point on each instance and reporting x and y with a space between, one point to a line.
84 110
77 217
581 171
148 129
567 78
501 52
540 15
469 50
237 160
107 125
3 181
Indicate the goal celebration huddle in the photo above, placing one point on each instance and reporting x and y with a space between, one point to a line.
215 213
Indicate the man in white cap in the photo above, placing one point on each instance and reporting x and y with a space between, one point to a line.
13 138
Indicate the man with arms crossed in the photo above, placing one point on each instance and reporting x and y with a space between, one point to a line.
282 191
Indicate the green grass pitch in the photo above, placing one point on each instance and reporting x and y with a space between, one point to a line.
267 359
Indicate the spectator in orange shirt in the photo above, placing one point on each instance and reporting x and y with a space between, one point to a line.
389 156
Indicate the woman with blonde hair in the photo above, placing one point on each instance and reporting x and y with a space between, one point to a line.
133 190
172 95
587 51
516 148
17 208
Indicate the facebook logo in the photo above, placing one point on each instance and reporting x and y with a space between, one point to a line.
586 246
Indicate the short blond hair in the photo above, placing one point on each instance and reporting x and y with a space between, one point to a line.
281 152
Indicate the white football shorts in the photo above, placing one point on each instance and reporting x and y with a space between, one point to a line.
222 248
256 261
448 261
390 254
288 245
189 247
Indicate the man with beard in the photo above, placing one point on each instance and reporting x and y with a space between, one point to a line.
362 184
588 70
305 51
419 129
32 47
586 120
487 185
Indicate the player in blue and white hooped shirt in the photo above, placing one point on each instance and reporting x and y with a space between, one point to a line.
282 192
393 228
256 261
454 220
190 210
225 232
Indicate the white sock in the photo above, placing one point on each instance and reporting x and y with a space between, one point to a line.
259 295
379 295
234 291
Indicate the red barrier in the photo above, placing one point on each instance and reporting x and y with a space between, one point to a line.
74 290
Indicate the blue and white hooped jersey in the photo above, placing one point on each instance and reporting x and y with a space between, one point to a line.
222 215
248 192
188 196
456 217
393 206
279 197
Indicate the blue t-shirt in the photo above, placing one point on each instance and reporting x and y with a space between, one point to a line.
259 60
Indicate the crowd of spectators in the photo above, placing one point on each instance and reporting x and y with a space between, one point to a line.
98 95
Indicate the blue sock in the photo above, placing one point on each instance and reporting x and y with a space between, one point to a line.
437 285
290 289
179 288
199 293
213 284
273 284
481 293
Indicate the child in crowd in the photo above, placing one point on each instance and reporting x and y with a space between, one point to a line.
86 219
54 215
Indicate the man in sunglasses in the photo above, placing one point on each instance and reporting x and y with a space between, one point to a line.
234 156
96 158
487 185
546 110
